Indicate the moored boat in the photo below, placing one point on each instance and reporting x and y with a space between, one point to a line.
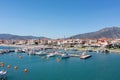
51 55
2 73
85 56
65 56
41 53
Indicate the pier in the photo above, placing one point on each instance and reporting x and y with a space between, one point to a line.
40 50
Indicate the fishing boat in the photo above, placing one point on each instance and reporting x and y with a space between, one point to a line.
2 73
85 56
65 56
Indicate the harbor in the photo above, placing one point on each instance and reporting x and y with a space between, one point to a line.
59 40
41 52
19 63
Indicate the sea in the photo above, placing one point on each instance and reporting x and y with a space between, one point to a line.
97 67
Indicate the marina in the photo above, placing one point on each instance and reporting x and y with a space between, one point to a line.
58 65
41 52
59 40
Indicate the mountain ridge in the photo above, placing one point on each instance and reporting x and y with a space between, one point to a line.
108 32
4 36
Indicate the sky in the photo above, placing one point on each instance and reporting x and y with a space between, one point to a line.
57 18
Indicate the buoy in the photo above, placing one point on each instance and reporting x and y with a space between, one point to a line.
25 70
2 64
15 67
57 59
8 66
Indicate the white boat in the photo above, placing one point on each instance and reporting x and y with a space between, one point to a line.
65 56
2 73
51 55
41 53
85 56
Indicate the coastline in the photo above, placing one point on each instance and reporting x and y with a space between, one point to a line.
95 49
44 46
24 46
114 50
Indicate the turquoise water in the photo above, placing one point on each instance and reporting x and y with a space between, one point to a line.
98 67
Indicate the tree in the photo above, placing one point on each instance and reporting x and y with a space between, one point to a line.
36 43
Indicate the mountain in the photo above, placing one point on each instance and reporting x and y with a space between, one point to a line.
17 37
109 32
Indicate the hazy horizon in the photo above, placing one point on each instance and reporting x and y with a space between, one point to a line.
58 37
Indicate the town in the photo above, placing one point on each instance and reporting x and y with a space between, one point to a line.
66 43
